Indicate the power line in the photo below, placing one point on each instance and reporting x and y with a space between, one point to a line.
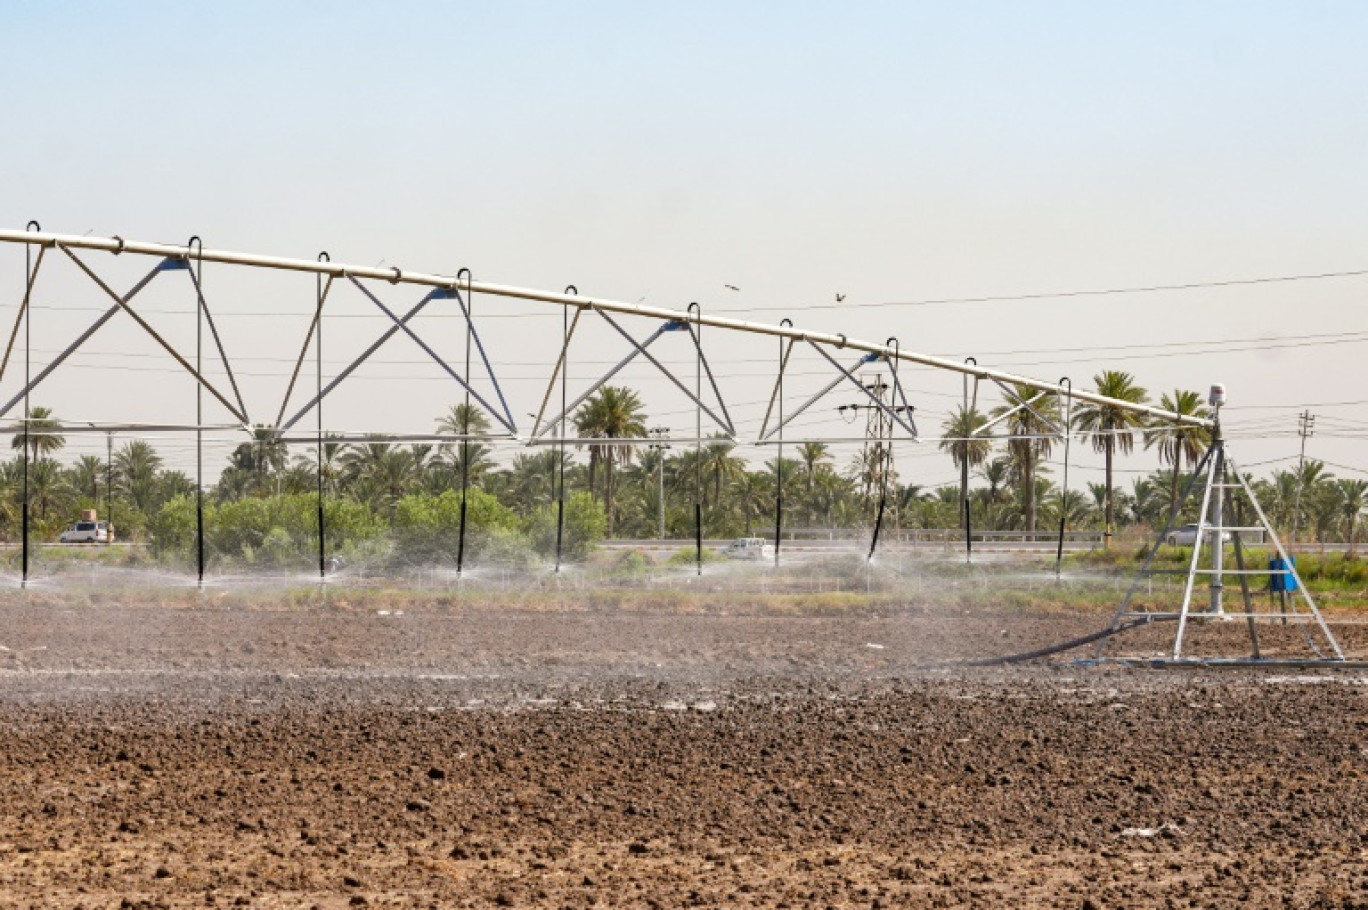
1051 295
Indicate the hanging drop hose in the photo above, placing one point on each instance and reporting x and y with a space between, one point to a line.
1046 651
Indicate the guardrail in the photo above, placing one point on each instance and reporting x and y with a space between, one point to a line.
938 537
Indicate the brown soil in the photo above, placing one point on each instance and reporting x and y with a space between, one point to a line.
329 757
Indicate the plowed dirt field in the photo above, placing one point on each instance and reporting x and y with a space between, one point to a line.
439 757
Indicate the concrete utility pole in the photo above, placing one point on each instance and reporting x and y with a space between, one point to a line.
660 447
1306 424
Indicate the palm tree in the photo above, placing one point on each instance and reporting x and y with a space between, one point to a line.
379 473
469 459
265 454
136 466
721 465
967 452
1181 440
752 489
48 488
616 412
813 456
87 476
1031 440
1308 476
1352 496
332 456
534 477
1112 428
39 434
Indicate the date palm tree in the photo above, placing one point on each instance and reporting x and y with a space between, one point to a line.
1179 441
265 454
751 491
87 475
966 451
812 456
1032 440
39 434
380 473
471 457
721 466
1352 496
49 490
615 412
136 466
1112 428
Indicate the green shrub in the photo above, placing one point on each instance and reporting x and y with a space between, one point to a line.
427 528
585 528
273 531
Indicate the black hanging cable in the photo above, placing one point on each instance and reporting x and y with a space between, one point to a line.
779 462
884 454
465 424
318 433
1064 485
28 381
697 312
195 253
560 441
964 465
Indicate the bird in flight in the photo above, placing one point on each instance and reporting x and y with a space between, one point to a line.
840 298
731 287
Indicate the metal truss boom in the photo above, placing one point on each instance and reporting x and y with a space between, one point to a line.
118 245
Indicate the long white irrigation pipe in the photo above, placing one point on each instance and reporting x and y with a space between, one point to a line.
399 276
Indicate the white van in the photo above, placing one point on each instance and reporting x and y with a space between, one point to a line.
749 548
86 532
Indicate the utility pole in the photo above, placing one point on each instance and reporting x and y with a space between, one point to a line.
659 447
1306 428
109 480
877 457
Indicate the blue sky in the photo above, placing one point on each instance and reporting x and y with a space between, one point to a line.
659 151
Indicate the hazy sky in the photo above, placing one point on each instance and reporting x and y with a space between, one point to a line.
893 153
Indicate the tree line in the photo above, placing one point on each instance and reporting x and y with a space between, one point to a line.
622 488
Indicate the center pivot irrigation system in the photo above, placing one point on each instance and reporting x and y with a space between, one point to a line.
1050 404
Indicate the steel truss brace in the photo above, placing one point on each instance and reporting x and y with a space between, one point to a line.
213 330
120 303
401 324
894 412
1028 404
398 276
167 265
540 429
304 350
30 281
506 418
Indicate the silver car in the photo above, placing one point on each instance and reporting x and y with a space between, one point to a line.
1186 536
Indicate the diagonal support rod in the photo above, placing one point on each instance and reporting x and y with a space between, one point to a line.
82 339
218 343
185 364
484 357
23 308
778 384
1027 404
724 424
551 385
717 393
355 364
892 415
304 349
764 436
617 368
403 326
1287 560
